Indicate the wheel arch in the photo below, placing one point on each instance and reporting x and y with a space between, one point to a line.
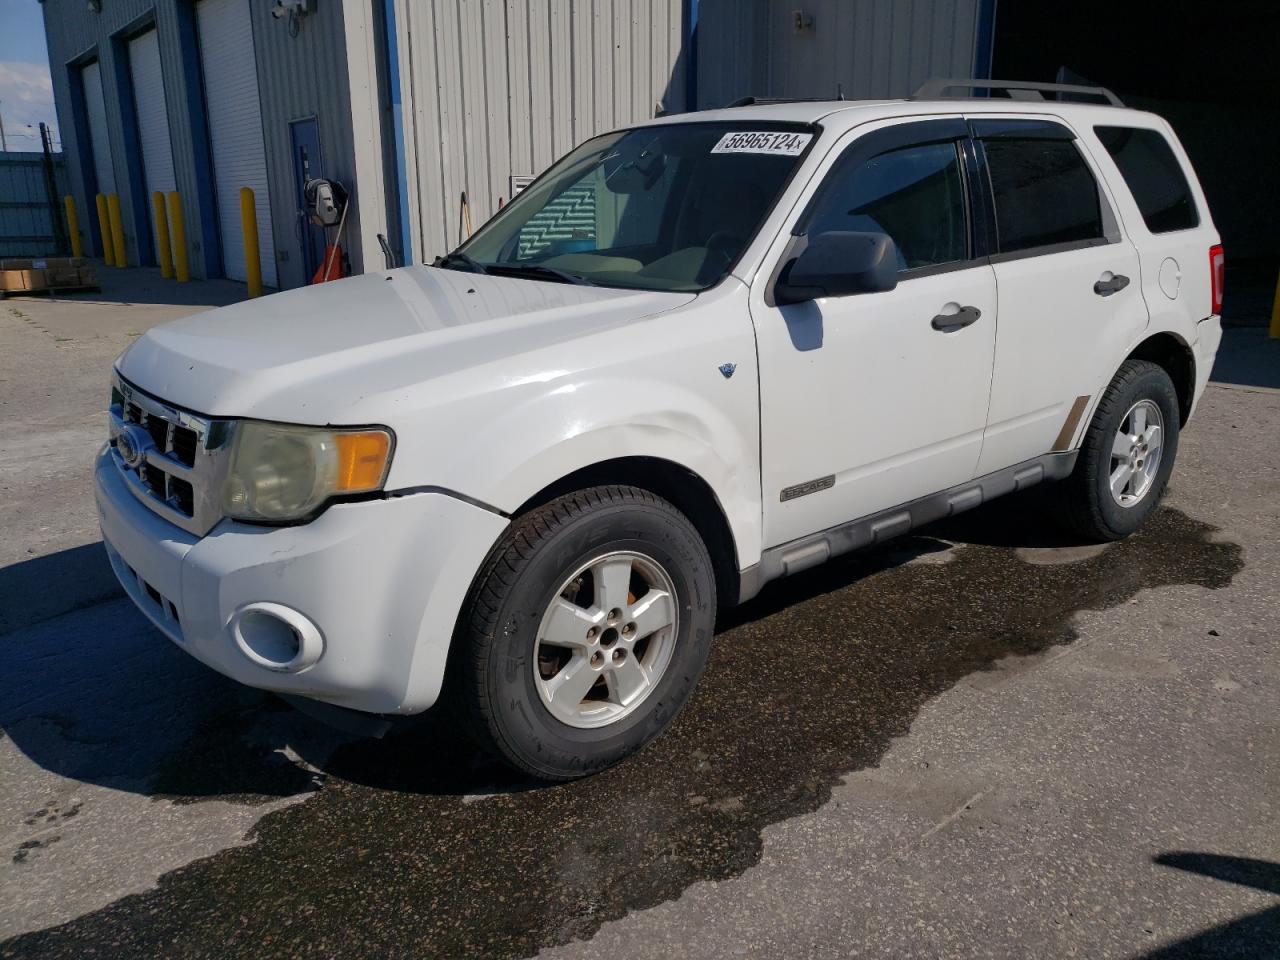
684 488
1174 355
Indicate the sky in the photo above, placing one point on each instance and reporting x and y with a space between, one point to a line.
26 94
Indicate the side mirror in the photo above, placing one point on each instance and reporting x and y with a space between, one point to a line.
838 263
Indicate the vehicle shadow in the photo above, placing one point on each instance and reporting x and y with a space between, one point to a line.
89 690
57 583
1254 935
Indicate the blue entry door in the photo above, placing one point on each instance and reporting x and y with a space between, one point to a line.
307 164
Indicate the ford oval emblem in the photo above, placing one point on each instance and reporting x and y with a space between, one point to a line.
132 444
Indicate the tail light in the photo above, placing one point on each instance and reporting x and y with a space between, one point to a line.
1216 272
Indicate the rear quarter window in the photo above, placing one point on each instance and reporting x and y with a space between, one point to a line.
1153 175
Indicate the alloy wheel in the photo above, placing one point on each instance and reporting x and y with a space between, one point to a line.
606 639
1135 453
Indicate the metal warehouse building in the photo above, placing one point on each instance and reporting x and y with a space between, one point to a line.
409 103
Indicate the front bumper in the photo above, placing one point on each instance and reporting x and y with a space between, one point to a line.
381 581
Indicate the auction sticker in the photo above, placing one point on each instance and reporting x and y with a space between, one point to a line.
781 142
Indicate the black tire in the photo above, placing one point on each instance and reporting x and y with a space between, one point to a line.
492 673
1089 507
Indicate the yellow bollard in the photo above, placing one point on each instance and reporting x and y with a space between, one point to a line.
179 230
1275 312
117 230
104 224
162 235
73 225
249 224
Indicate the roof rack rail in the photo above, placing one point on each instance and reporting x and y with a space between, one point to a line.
756 101
1016 89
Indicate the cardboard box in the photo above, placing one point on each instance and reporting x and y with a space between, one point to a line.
46 273
70 277
17 281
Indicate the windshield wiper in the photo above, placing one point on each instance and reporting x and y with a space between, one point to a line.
451 261
538 270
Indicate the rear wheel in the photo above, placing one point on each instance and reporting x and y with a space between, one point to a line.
588 627
1127 455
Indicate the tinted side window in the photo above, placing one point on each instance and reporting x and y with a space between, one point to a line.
1154 177
1044 193
914 194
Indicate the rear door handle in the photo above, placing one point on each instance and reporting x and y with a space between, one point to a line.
948 322
1105 288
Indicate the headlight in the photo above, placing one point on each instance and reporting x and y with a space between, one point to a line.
282 472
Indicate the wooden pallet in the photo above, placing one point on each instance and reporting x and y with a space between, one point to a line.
49 291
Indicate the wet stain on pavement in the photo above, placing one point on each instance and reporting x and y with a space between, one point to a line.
223 761
53 813
413 846
28 847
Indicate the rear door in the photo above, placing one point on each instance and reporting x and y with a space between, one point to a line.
865 401
1069 287
1166 213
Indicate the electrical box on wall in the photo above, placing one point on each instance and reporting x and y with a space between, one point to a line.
290 8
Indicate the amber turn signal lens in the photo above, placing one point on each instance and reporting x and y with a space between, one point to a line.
362 460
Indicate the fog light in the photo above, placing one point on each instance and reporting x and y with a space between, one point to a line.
276 637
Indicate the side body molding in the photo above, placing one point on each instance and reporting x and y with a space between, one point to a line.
817 548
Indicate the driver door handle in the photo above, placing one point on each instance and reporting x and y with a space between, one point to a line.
948 322
1105 288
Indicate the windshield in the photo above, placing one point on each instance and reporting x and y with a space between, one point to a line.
666 207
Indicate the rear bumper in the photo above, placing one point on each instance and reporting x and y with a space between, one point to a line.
381 582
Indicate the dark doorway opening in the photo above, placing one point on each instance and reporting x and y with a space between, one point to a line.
1206 68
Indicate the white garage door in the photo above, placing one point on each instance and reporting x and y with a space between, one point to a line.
235 129
95 109
153 120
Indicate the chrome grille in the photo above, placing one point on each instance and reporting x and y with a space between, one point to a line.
173 461
181 442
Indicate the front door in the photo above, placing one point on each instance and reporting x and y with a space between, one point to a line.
869 401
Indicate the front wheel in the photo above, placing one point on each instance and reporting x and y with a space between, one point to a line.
587 628
1127 454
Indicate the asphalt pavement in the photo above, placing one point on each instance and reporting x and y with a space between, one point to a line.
985 740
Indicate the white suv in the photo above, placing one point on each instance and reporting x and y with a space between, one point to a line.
695 355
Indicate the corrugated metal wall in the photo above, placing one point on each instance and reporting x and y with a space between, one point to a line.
299 76
733 51
491 89
75 34
26 219
495 88
865 49
304 76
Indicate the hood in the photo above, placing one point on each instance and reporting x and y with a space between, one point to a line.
330 353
